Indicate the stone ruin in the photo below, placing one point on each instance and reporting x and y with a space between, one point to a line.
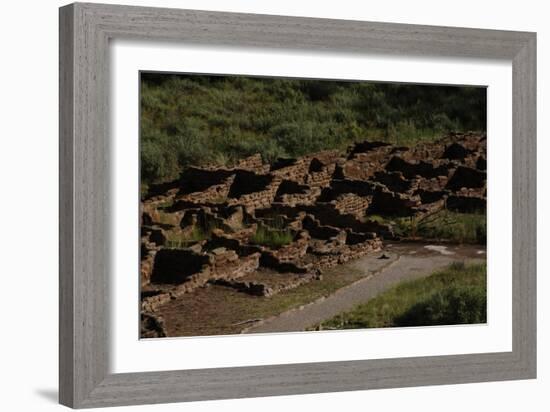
204 227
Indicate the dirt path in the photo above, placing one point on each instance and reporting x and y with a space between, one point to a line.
407 262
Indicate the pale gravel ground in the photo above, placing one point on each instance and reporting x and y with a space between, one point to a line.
407 262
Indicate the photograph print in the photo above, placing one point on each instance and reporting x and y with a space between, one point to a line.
274 205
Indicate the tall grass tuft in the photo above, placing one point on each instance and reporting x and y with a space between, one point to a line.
271 237
442 225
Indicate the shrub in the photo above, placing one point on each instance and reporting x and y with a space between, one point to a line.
457 305
192 119
157 163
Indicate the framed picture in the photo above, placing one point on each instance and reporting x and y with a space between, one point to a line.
258 205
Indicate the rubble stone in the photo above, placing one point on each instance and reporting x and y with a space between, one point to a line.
324 200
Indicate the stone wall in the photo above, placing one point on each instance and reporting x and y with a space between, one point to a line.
213 194
291 169
181 271
318 231
386 202
411 169
260 286
227 264
325 199
351 204
195 179
259 199
253 163
337 253
291 193
319 174
294 250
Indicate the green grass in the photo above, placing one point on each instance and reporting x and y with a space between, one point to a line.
446 225
167 218
456 295
180 240
271 237
379 219
165 204
202 231
455 227
195 119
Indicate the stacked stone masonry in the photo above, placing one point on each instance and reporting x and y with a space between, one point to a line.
209 225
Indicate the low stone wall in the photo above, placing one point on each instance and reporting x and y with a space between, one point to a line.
207 219
322 177
318 231
338 254
258 287
269 260
365 159
433 184
254 193
345 186
214 194
253 163
196 179
227 264
328 215
361 249
411 169
325 198
293 251
390 203
150 304
394 181
351 204
186 274
292 194
293 169
298 199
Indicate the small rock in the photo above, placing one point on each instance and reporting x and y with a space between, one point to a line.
219 251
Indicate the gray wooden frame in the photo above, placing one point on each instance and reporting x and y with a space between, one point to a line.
85 31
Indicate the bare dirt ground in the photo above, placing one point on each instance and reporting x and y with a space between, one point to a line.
408 262
218 310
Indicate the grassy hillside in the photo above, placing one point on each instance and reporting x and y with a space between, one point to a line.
192 119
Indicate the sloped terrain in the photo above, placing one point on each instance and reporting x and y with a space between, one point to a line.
261 228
